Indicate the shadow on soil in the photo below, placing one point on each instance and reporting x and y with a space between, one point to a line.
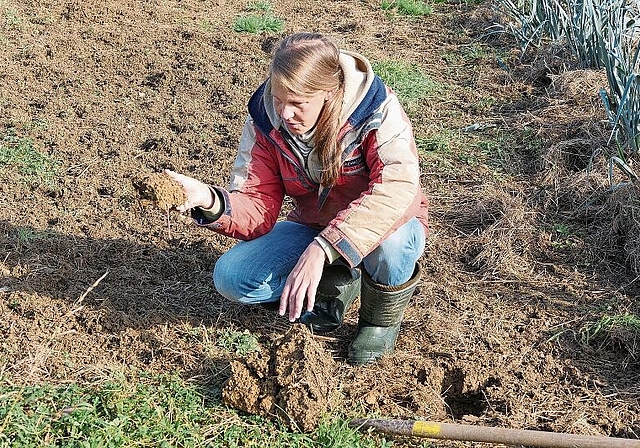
141 283
125 285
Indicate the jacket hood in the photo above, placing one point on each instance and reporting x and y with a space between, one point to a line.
364 92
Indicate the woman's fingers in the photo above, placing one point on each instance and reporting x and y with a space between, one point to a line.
182 180
292 298
295 305
175 176
296 302
197 193
284 299
302 283
311 296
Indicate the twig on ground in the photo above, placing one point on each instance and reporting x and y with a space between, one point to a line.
84 294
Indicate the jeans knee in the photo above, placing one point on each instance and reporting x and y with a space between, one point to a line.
225 285
238 286
393 261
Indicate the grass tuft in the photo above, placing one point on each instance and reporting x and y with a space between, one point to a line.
409 82
414 8
261 20
237 342
25 234
21 154
260 6
258 24
608 325
12 19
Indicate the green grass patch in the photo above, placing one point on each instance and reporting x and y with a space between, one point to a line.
564 237
12 19
452 58
609 325
438 150
258 24
24 238
163 411
143 410
510 151
561 229
240 343
437 143
414 8
25 235
409 82
475 52
21 154
484 104
260 20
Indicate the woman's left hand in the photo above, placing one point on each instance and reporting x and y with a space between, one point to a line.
302 282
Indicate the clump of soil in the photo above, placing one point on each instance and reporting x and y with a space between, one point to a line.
165 193
293 381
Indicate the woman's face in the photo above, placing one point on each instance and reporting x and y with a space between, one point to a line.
299 113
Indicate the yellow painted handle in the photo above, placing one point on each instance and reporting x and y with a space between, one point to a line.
426 429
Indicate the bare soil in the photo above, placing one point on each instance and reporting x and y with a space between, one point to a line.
529 247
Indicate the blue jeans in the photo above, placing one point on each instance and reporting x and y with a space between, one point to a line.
255 271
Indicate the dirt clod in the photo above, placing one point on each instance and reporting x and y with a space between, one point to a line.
165 193
293 380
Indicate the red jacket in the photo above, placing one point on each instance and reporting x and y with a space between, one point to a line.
377 192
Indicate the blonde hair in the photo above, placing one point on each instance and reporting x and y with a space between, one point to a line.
305 64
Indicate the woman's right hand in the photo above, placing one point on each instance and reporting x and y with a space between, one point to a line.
198 193
302 283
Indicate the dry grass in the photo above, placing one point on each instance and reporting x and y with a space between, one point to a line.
621 211
502 226
579 86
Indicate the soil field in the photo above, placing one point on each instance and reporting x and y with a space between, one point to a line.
526 256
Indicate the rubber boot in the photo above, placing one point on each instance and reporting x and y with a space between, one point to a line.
337 290
381 311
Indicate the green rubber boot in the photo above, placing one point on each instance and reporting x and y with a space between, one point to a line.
337 290
381 311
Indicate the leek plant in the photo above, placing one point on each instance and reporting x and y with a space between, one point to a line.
536 20
622 103
586 26
600 34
